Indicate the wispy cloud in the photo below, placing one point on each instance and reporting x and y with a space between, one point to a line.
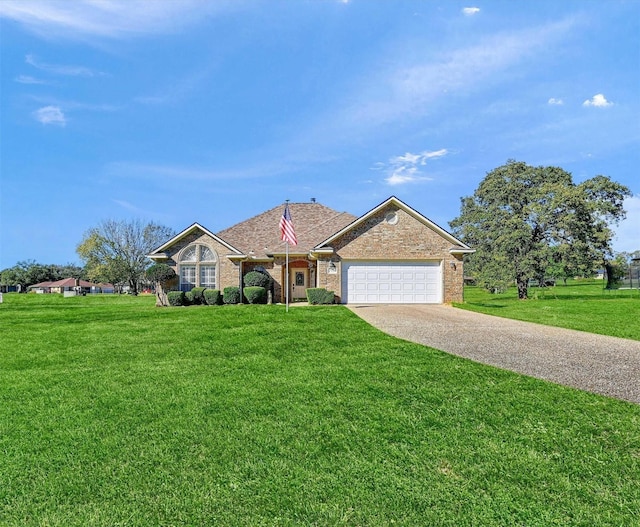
27 79
555 102
180 89
598 100
410 89
50 115
108 18
173 173
62 69
470 11
407 168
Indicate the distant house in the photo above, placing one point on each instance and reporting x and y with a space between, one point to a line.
391 254
71 285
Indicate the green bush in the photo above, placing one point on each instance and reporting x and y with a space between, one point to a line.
255 295
160 272
319 295
231 295
212 297
198 295
176 298
189 298
256 279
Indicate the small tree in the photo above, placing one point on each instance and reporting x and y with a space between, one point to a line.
160 274
116 251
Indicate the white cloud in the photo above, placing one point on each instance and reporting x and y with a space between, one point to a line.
470 11
598 100
627 233
108 18
406 168
555 102
50 115
27 79
61 69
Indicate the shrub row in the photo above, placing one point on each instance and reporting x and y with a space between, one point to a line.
319 295
198 295
213 297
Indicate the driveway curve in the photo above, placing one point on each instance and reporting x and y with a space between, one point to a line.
595 363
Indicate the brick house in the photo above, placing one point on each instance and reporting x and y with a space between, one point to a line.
391 254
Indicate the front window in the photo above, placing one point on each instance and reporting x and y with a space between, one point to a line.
197 267
208 276
187 277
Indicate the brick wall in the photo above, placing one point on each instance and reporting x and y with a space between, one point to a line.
407 239
226 270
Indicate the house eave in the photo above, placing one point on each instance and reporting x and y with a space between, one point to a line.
324 251
158 256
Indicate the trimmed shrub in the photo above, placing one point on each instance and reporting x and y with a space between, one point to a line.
231 295
256 279
198 295
319 295
189 298
255 295
176 298
212 297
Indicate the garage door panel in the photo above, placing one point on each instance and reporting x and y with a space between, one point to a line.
392 282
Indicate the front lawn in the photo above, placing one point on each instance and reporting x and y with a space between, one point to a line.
581 304
114 412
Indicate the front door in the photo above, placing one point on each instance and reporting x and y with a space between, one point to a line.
299 280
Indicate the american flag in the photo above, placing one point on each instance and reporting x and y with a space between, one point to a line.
287 232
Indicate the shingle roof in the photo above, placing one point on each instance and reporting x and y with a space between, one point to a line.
313 223
68 282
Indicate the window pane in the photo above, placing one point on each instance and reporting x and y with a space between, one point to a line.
187 277
208 276
206 254
189 255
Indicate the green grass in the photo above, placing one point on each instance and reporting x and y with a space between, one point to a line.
114 412
581 305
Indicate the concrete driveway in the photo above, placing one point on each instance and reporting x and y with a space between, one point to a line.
605 365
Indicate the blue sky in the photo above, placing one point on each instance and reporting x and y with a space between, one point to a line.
185 111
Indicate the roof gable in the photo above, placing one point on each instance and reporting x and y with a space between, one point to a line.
459 246
195 226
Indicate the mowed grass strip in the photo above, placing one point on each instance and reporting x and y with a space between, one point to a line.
114 412
581 304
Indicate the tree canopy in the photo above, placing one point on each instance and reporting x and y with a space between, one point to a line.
527 221
29 272
116 251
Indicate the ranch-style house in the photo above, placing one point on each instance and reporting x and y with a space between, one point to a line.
391 254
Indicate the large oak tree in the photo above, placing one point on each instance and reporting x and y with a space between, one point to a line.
116 251
522 220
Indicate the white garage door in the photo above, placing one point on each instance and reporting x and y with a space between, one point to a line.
391 282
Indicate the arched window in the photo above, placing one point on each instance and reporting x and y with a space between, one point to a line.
197 267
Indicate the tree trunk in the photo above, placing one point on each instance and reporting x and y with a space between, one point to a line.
161 296
522 287
611 280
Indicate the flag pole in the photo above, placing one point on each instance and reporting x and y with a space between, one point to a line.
288 235
287 265
287 275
